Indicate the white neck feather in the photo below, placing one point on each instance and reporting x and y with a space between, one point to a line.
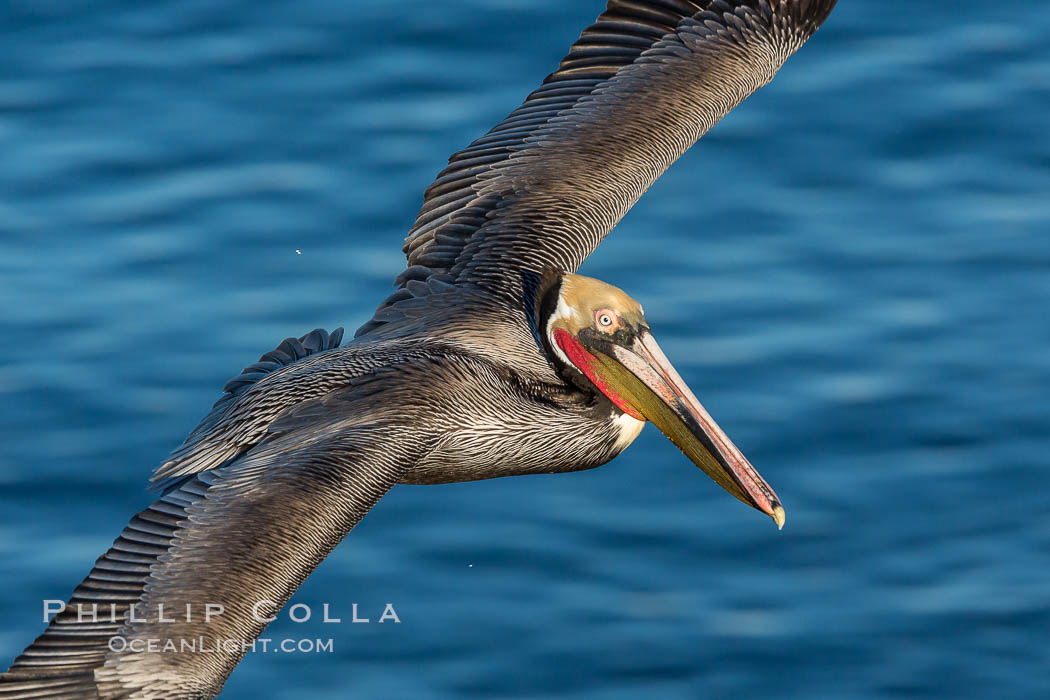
562 311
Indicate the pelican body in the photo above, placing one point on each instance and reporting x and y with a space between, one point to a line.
492 358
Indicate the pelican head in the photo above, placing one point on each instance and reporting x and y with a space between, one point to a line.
600 335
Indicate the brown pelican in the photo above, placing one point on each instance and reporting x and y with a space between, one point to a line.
492 358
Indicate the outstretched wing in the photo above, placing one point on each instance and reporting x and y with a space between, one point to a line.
639 87
240 536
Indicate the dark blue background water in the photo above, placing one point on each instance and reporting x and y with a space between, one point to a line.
851 271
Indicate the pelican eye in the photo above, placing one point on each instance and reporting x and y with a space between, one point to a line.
606 319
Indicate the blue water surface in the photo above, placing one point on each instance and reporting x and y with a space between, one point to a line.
852 271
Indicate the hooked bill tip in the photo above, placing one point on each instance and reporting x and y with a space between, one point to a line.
778 516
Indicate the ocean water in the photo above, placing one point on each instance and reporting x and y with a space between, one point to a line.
852 271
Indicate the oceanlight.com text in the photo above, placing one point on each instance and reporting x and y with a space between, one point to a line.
203 645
